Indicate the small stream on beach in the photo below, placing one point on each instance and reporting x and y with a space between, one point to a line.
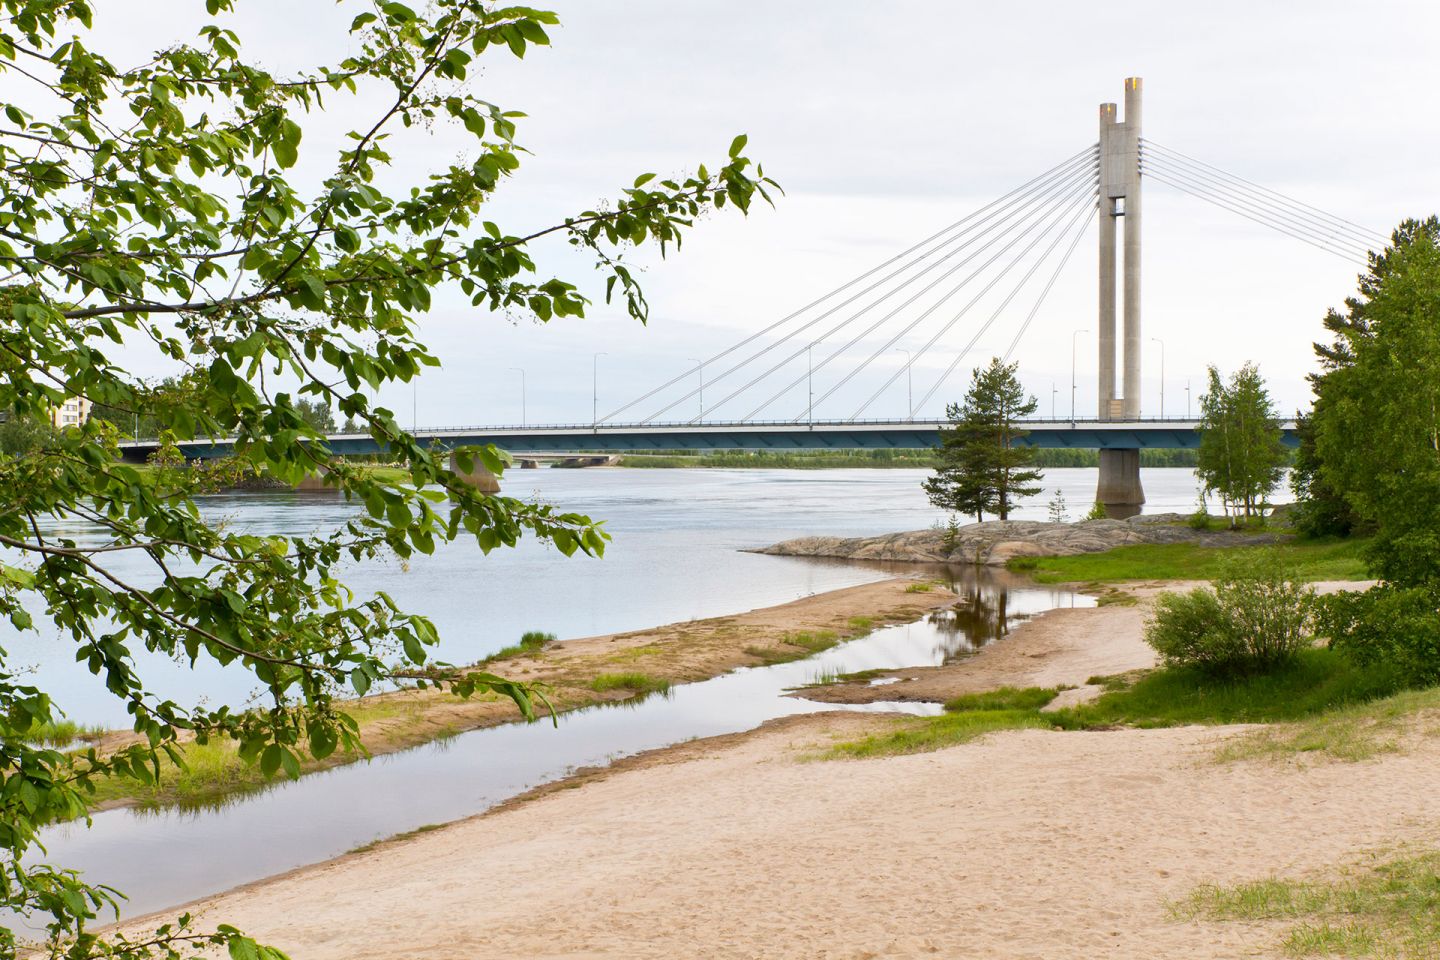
320 816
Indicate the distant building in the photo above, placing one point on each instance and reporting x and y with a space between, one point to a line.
73 412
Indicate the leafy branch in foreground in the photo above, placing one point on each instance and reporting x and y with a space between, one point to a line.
163 210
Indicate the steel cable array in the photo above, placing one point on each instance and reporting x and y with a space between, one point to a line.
1059 204
1259 204
1035 183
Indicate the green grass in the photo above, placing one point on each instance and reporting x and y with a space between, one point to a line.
860 624
922 587
531 642
640 683
62 733
1389 907
1354 732
426 828
827 677
1318 680
1312 559
1322 703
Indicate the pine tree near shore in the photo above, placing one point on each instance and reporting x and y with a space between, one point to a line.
982 467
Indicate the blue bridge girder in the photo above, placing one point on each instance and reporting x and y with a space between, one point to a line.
1154 433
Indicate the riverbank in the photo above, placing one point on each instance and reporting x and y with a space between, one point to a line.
575 674
1055 843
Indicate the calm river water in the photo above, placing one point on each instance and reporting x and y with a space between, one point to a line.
675 556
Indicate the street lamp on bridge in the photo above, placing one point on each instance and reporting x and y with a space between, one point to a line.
909 391
595 389
700 369
1162 376
524 419
810 380
1072 373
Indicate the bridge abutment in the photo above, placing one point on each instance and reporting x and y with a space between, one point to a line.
477 476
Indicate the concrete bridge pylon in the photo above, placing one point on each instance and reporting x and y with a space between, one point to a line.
1119 488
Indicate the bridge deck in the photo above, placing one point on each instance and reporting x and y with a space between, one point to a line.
787 435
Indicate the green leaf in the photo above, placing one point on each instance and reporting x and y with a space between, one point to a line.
737 145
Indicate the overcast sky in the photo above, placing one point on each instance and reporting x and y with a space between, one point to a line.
885 122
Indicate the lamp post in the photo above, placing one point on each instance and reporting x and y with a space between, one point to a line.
1162 375
1073 337
700 369
909 390
595 390
810 380
1187 399
1053 391
524 420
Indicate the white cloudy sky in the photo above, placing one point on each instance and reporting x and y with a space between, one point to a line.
884 122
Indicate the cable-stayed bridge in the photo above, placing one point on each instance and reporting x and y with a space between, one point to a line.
993 270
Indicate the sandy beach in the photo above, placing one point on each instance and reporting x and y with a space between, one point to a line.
1026 844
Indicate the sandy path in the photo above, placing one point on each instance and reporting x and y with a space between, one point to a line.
1027 845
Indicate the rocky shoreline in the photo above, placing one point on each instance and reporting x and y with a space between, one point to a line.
995 542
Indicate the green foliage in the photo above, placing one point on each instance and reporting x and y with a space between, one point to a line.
1387 907
936 733
640 683
1257 618
1314 681
531 642
1308 559
177 205
1389 624
1097 512
1377 409
24 436
1003 698
1350 733
983 467
1241 457
1057 508
1320 510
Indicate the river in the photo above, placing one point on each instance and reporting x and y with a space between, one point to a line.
675 556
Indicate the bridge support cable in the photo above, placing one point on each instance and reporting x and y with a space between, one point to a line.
1003 220
1040 300
1057 170
1159 151
1042 220
1337 238
1087 208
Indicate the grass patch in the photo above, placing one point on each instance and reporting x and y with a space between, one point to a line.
642 683
967 717
922 587
531 643
1384 908
62 733
1319 559
1319 679
1005 698
1351 733
366 847
826 678
933 733
860 624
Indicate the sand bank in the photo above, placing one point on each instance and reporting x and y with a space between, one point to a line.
1027 844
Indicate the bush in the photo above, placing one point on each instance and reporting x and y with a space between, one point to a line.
1398 626
1257 618
1097 512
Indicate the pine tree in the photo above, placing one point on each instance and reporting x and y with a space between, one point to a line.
982 466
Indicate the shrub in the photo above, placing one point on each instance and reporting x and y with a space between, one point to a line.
1398 626
1097 512
1256 619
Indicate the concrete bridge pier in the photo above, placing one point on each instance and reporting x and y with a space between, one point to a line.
1119 490
478 477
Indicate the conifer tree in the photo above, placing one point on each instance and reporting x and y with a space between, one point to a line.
983 468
